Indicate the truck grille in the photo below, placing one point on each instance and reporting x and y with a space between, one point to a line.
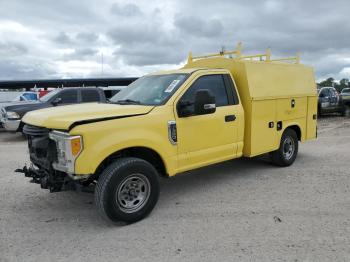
42 150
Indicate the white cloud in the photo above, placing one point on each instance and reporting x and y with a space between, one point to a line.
45 39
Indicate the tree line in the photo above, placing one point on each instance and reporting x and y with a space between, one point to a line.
343 83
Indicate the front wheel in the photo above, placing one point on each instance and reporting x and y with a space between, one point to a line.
127 190
288 150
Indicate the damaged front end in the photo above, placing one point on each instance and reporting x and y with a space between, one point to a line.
52 155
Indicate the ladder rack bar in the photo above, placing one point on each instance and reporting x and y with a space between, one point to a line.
238 53
284 59
213 55
254 56
296 59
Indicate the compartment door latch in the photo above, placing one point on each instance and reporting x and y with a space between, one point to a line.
292 103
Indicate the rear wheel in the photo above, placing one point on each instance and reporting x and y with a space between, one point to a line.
127 190
288 149
319 112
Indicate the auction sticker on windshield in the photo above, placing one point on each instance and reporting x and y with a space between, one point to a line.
172 85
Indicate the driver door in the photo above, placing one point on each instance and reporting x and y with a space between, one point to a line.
208 138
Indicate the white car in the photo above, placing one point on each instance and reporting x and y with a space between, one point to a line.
14 98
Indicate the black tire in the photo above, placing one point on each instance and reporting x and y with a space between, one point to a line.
319 112
284 156
118 178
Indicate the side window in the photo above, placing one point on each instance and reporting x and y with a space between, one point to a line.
90 96
30 96
68 96
231 90
214 83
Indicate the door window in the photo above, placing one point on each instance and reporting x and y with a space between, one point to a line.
214 83
68 96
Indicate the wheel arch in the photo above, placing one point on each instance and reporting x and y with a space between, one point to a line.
296 128
148 154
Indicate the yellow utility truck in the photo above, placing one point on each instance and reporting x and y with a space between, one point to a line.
216 108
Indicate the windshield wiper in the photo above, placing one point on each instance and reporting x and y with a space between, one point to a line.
128 101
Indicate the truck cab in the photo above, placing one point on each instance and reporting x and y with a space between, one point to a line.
213 109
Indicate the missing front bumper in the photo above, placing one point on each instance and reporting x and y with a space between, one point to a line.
56 181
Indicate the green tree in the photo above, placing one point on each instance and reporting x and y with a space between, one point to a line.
327 82
343 84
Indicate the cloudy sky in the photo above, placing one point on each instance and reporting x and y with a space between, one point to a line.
66 38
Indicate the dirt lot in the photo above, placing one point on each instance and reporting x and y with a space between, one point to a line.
241 210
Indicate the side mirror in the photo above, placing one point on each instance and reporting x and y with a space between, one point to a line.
56 101
321 95
204 102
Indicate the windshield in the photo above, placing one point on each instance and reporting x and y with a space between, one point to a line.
345 90
150 90
48 96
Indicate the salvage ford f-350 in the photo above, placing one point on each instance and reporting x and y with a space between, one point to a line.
218 107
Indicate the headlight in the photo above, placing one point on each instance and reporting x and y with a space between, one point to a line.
68 149
12 115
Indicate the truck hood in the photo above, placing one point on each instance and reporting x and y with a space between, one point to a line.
66 117
17 103
24 107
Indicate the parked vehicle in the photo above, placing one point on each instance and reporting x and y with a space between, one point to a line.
42 92
214 109
111 91
345 98
15 98
345 92
329 101
12 115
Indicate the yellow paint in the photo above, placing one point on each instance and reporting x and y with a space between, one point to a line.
63 116
265 89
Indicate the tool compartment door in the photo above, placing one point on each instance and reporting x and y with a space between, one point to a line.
311 124
291 108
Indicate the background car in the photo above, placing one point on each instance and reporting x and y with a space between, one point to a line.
329 101
110 91
345 99
15 98
345 91
11 115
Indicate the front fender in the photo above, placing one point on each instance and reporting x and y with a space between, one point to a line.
105 138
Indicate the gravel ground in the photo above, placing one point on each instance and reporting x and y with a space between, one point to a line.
241 210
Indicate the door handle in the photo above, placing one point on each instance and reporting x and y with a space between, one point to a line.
230 118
